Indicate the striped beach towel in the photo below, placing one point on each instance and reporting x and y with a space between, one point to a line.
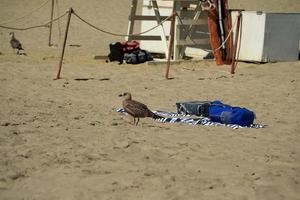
174 117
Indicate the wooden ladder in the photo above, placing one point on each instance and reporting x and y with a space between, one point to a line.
191 28
158 18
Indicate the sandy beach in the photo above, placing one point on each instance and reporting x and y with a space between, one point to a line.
63 139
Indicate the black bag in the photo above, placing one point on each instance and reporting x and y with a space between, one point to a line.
116 52
139 56
199 108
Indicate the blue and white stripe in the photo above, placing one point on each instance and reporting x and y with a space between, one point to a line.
173 117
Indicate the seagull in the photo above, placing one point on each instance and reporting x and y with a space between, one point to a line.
15 44
136 109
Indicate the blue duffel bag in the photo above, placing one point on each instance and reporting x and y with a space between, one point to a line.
226 114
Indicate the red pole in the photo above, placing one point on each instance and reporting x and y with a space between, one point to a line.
64 43
171 42
237 32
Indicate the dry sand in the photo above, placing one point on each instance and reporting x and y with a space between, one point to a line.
63 139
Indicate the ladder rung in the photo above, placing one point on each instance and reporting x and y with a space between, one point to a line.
189 42
192 22
146 37
148 17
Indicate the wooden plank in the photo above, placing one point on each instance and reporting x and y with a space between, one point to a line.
147 37
189 13
164 61
160 6
194 36
189 42
193 22
149 17
101 57
131 19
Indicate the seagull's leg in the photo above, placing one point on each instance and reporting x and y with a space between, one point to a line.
18 52
133 120
138 119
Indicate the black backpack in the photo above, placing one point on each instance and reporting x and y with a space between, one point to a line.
118 49
116 52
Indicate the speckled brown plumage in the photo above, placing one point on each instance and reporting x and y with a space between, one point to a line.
136 109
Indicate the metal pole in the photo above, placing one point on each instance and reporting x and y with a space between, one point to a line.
237 32
171 42
50 26
64 43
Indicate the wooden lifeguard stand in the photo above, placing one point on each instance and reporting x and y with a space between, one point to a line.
191 29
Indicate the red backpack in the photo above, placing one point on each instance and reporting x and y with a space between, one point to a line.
130 46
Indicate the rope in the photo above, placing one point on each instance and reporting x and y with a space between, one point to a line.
29 13
117 34
31 27
111 33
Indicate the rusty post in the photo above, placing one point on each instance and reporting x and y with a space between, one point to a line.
50 25
235 46
171 42
70 11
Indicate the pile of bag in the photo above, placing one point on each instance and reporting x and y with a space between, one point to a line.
128 51
217 111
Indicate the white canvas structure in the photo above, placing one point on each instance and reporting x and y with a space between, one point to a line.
268 37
